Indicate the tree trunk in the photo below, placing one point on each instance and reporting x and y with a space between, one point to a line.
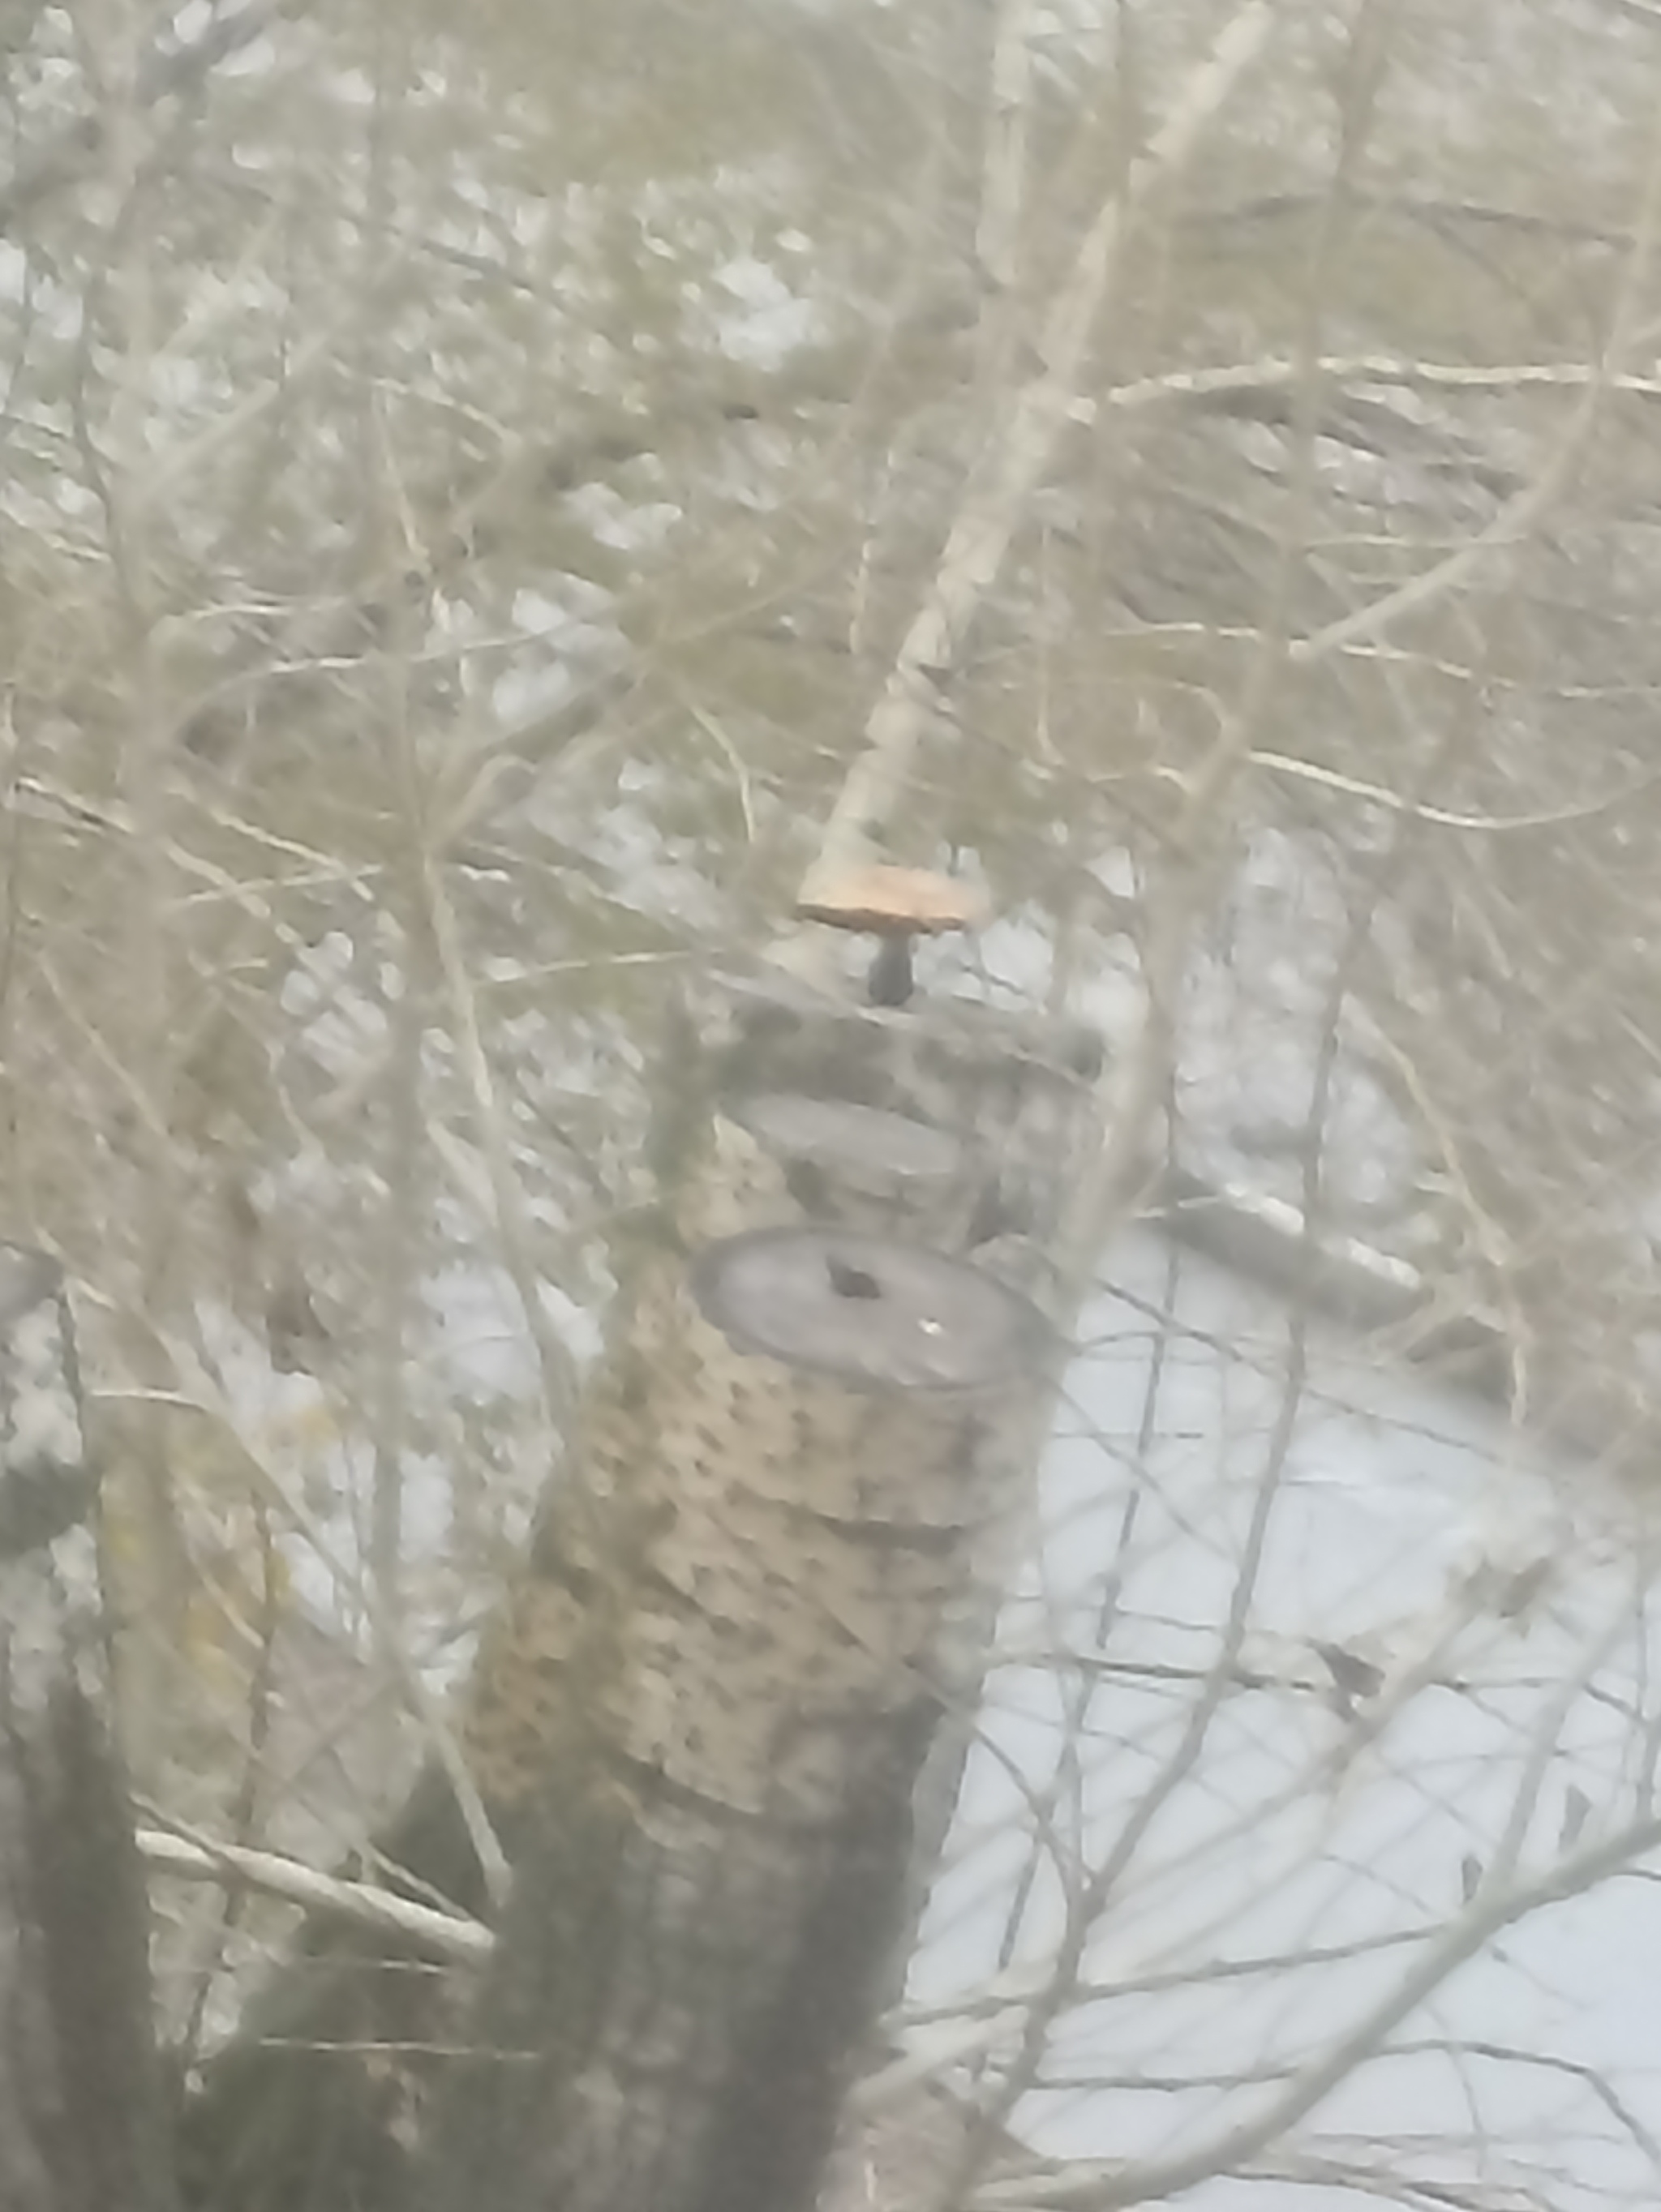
698 1724
83 2125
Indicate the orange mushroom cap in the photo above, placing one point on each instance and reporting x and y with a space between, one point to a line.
890 901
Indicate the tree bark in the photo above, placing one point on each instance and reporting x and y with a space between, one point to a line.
699 1722
84 2122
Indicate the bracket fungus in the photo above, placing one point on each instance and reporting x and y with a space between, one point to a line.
871 1311
894 905
864 1145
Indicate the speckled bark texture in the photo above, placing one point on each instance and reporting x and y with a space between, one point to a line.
701 1718
82 2118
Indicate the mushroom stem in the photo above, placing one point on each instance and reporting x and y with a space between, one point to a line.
891 982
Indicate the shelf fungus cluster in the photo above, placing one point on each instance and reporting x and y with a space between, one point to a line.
746 1603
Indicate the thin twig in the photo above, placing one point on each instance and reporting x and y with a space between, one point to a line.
1022 444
